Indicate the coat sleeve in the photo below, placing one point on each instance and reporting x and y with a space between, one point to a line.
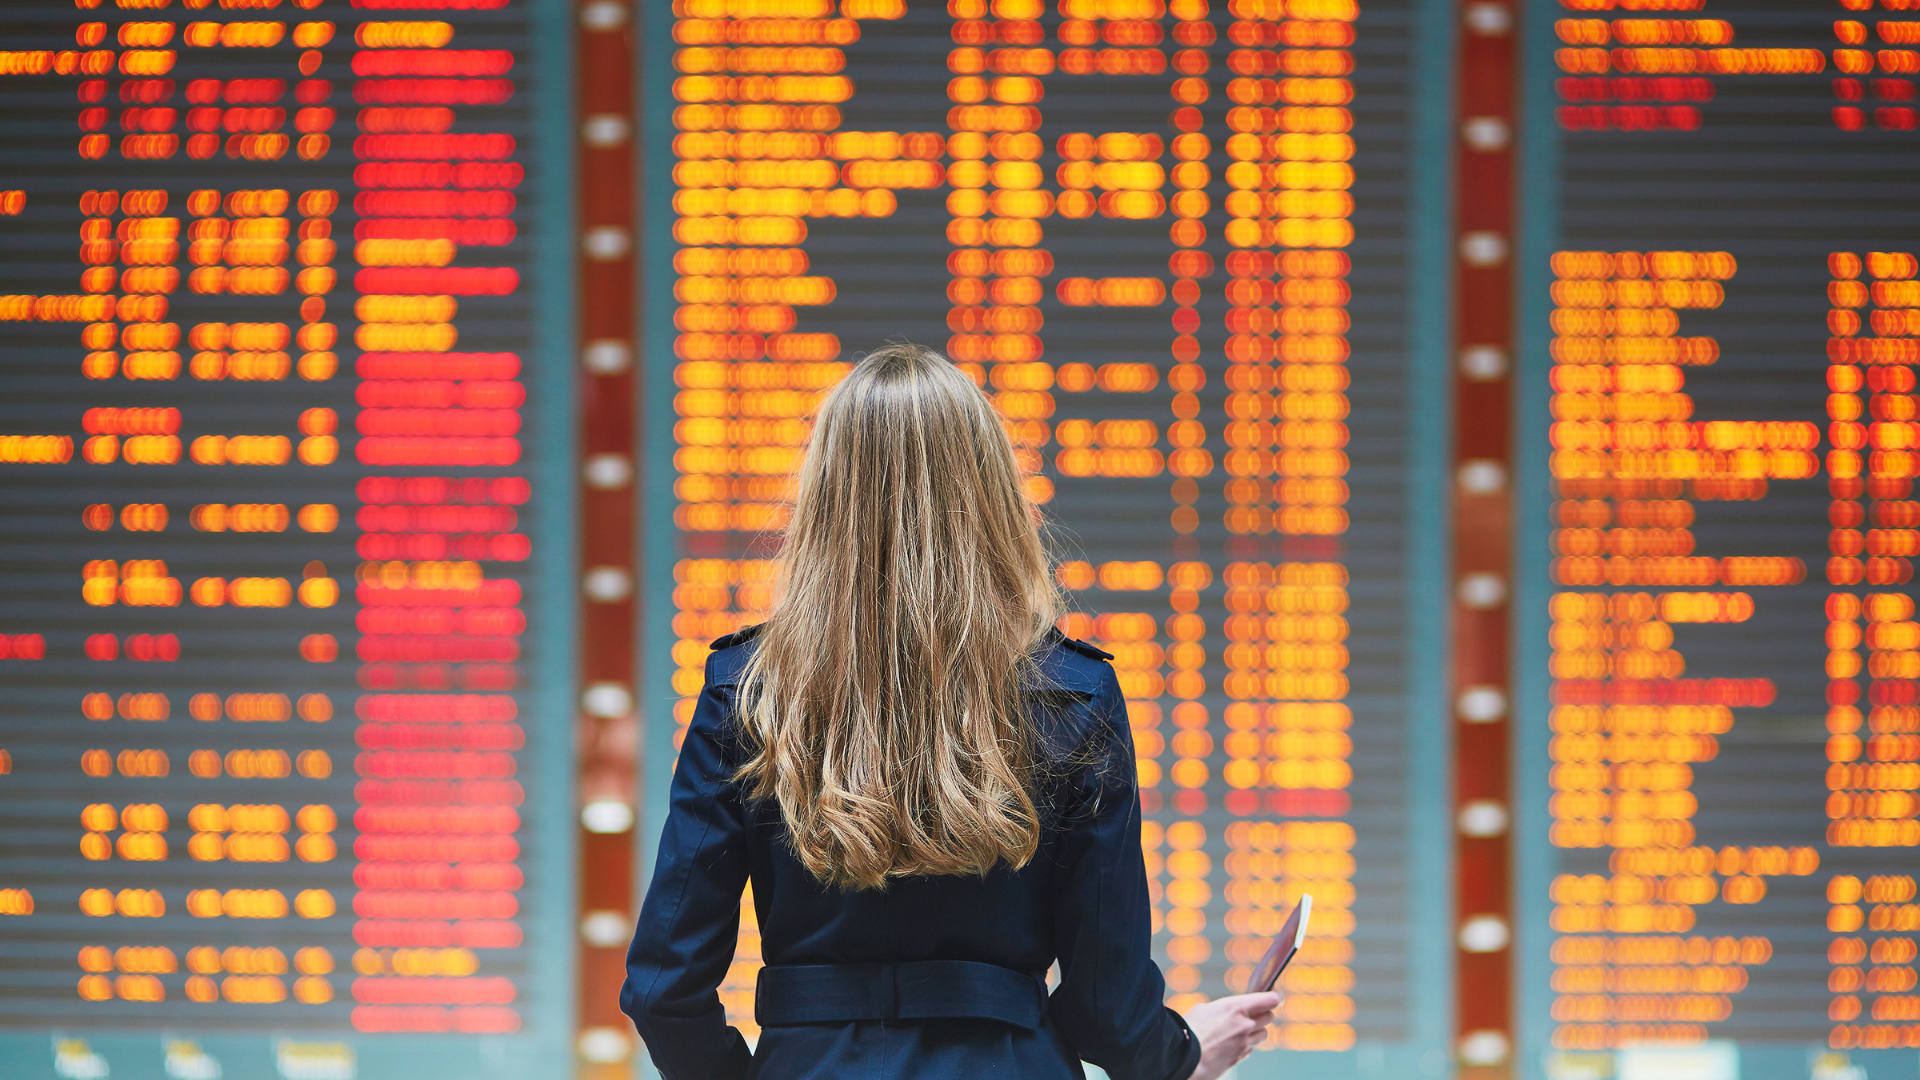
691 916
1109 1000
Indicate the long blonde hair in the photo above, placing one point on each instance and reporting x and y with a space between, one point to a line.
884 706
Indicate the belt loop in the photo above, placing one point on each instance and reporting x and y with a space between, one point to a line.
889 993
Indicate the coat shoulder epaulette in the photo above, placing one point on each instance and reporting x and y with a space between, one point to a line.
744 634
1081 647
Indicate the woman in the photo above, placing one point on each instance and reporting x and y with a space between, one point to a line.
931 790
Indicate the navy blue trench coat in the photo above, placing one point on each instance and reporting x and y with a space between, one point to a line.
1082 902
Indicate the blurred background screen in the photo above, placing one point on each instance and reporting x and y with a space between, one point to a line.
272 754
1202 377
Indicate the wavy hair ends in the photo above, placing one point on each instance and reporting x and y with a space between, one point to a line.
884 706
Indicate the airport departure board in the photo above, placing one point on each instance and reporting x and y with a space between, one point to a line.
1721 739
282 786
1169 238
285 585
1176 243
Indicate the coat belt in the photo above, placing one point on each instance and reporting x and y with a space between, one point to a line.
914 990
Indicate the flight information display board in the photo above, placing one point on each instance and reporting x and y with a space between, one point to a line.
1170 240
283 787
1721 748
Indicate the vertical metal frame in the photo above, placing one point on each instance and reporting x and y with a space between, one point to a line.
608 583
1535 859
654 363
554 418
1486 118
1429 510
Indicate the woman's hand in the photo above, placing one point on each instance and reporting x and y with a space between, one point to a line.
1228 1029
